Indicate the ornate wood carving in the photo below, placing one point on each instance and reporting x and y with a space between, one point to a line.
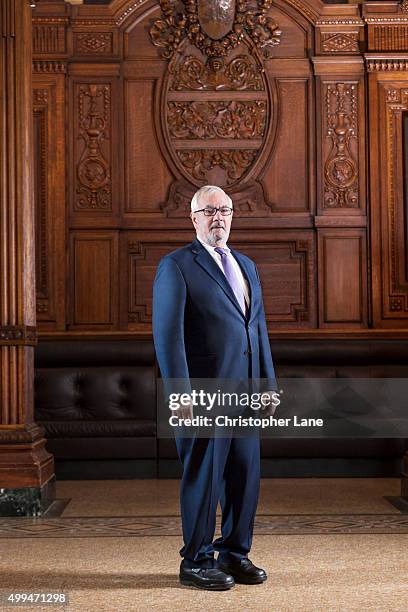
384 64
339 42
341 165
49 35
18 334
224 119
396 99
388 38
240 74
228 117
93 43
93 190
238 129
230 165
338 21
29 433
211 27
49 189
248 201
49 67
216 18
216 54
41 111
389 198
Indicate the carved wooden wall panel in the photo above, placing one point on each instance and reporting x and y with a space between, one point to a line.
387 64
342 277
292 147
270 102
389 213
287 268
93 279
94 167
296 38
49 198
285 260
50 36
341 146
96 44
147 175
140 256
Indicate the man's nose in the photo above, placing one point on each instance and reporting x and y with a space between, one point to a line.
218 215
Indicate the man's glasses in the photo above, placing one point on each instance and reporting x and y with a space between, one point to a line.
211 212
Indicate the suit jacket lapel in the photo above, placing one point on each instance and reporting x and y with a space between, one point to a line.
204 259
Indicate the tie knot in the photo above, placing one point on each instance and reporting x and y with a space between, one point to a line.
222 252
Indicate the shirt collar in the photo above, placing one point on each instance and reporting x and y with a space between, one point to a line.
211 248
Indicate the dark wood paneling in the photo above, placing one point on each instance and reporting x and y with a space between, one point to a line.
282 126
94 279
389 102
49 189
285 260
95 185
291 149
286 264
342 277
297 38
147 175
340 137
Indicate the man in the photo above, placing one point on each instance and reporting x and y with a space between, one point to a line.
209 322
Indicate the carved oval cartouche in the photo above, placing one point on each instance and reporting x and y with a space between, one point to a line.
216 17
214 135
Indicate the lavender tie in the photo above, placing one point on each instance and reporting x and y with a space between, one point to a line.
232 278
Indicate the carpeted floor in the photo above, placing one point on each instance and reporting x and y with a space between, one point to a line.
327 544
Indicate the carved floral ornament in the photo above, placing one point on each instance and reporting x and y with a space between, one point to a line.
214 26
216 50
340 170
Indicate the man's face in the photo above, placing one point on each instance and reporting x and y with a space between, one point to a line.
212 230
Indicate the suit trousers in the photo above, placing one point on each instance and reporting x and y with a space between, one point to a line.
215 469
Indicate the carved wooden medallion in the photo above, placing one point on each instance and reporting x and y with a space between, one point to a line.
212 135
216 103
216 17
215 26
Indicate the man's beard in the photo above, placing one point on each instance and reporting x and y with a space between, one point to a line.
214 238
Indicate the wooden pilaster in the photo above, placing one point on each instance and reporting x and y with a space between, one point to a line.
26 468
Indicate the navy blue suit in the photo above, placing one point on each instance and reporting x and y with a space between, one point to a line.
200 331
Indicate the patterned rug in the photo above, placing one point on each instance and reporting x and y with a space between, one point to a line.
107 527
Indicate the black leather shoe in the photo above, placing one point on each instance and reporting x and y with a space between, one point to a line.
210 578
244 571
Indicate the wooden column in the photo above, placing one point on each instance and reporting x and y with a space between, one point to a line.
27 481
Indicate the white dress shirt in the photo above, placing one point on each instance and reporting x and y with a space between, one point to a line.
217 258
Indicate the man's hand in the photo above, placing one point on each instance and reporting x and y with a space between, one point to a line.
184 411
270 406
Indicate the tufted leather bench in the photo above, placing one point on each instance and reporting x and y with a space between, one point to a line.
96 400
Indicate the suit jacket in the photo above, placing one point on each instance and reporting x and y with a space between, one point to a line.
199 329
